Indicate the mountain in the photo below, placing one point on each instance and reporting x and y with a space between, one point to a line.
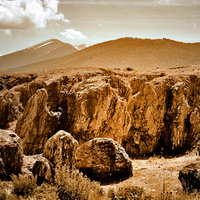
43 51
126 53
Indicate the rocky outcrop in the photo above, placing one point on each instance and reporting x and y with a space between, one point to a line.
43 170
96 107
37 123
145 113
60 149
189 177
11 153
103 160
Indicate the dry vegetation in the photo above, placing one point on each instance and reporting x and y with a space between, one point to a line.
153 178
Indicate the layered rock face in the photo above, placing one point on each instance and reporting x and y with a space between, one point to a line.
103 160
11 154
145 113
60 149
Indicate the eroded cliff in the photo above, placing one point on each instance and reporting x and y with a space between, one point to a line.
145 112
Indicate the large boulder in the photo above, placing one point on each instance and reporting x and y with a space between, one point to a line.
104 160
189 177
37 124
11 153
60 149
43 169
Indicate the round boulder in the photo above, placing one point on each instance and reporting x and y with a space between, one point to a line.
189 177
60 149
103 160
11 152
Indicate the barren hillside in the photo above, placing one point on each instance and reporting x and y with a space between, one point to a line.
126 53
43 51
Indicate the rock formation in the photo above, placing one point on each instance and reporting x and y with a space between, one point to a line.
11 154
104 160
144 112
96 107
44 171
37 123
60 149
189 177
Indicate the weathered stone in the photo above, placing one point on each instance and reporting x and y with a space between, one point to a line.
104 160
43 169
189 177
60 149
11 152
37 123
96 107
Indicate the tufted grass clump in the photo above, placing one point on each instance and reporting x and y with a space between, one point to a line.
72 185
125 192
23 185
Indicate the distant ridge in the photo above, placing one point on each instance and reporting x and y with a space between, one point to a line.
43 51
126 53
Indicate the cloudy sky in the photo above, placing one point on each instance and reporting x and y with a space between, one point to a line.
27 22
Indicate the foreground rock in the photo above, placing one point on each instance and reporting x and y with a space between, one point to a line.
103 160
43 169
60 149
11 154
189 177
37 123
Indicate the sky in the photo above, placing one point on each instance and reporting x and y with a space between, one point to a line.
24 23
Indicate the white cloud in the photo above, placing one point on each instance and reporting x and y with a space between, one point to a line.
73 34
25 14
8 32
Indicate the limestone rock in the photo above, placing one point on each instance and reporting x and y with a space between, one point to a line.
60 149
104 160
37 123
189 177
43 169
96 107
11 152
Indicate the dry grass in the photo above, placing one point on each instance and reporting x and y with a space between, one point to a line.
154 178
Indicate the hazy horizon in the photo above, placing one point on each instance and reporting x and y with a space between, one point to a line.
23 24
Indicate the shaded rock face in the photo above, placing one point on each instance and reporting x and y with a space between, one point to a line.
144 113
60 149
11 154
103 160
43 169
37 123
189 177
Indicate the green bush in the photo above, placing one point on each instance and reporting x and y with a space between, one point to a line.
23 185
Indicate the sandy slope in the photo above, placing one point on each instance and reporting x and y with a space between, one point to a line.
126 52
43 51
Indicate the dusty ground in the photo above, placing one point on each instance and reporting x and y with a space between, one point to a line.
156 175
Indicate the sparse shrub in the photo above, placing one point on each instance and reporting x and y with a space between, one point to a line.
45 191
129 69
162 74
23 185
126 192
74 185
111 193
2 194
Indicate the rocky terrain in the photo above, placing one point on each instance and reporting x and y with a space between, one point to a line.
145 112
98 119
